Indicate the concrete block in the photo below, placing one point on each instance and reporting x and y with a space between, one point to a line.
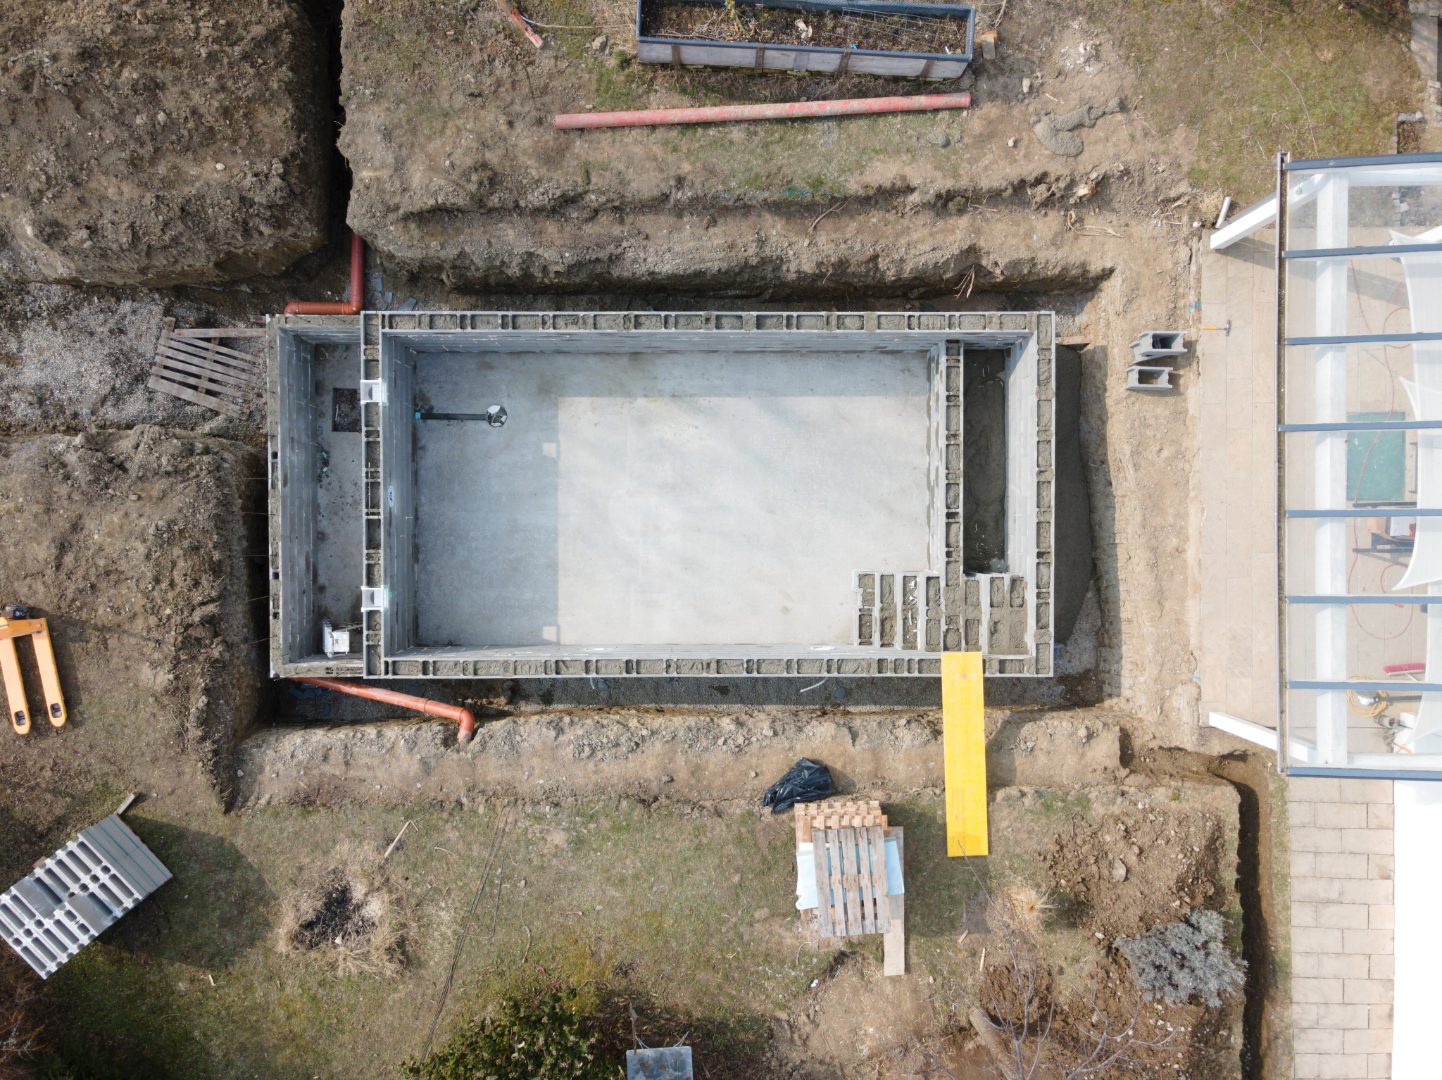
1379 816
1318 991
1378 1016
1301 814
1343 916
1366 941
1366 841
1341 1066
1364 791
1342 1016
1306 1067
1317 940
1339 966
1318 890
1380 867
1335 865
1313 789
1379 1066
1319 1041
1381 917
73 896
1365 891
1304 864
1368 992
1310 839
1149 378
1381 967
1304 913
1340 815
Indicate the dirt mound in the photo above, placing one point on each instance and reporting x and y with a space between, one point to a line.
344 915
133 545
1134 869
158 142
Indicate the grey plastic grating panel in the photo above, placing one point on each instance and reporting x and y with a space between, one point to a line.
77 893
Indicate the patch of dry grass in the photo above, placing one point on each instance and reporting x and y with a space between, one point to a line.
344 916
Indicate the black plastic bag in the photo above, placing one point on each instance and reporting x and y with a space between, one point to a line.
806 781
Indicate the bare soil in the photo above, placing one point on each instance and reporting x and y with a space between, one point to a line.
159 142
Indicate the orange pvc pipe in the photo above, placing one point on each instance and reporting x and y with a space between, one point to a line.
776 110
357 287
407 701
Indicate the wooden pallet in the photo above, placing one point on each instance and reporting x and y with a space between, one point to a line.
837 814
851 891
193 366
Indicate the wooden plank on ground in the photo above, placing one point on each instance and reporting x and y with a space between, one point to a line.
823 884
213 348
206 355
876 845
222 332
850 882
185 393
894 943
964 741
208 374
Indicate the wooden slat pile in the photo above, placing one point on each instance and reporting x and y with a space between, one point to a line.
848 839
194 366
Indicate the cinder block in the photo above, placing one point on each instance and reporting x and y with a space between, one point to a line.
1378 1016
1367 992
1381 967
1367 1042
1379 1066
1312 839
1381 917
1304 914
1380 816
1380 867
1306 1066
1341 815
1308 965
1304 863
1301 814
1366 841
1317 940
1366 941
1366 891
1343 916
1319 991
1339 966
1331 864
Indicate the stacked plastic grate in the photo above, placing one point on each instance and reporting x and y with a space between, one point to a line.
75 894
1153 355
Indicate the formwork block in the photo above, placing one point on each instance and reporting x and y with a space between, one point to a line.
74 895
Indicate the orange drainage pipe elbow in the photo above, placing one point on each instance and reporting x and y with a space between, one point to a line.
408 701
357 287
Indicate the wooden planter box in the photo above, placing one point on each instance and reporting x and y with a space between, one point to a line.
761 57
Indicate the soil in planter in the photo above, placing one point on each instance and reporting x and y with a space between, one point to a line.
821 29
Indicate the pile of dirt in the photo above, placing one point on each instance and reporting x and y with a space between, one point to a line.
134 545
345 916
1131 870
159 141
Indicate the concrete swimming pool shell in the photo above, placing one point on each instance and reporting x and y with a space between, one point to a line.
492 494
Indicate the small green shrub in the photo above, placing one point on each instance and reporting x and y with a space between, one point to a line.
539 1036
1184 958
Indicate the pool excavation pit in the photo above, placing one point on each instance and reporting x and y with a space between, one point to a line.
643 493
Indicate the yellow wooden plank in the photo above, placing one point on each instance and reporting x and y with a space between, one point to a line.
964 739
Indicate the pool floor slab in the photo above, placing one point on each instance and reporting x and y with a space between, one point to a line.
654 499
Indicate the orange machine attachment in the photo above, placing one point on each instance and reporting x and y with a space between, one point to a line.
12 627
